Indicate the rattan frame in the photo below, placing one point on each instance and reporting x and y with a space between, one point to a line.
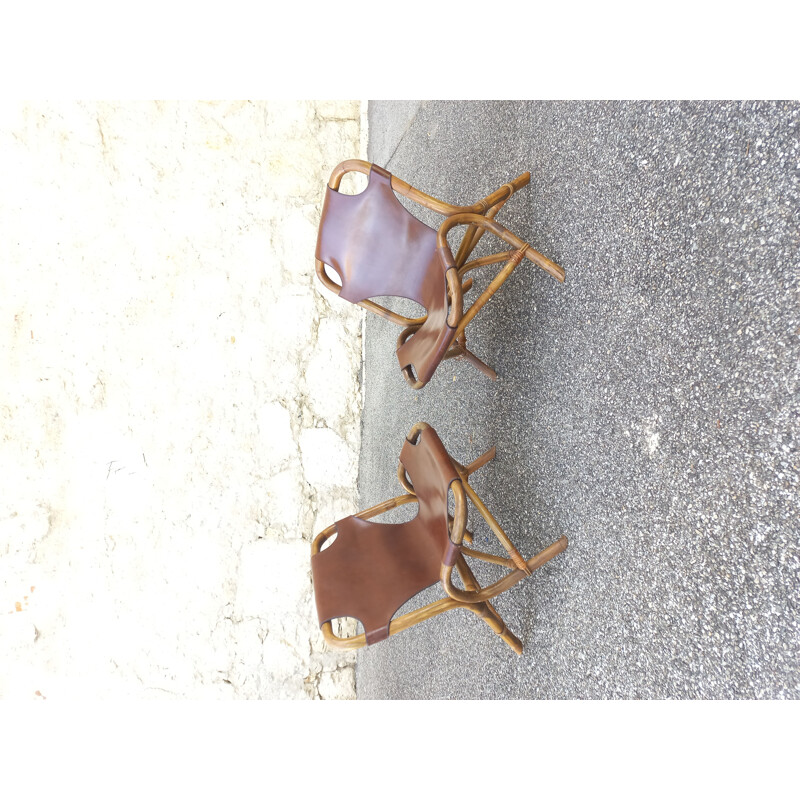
479 218
473 598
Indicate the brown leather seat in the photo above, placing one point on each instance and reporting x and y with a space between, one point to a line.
369 570
372 569
379 249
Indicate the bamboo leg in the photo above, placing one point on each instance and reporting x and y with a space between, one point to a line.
494 258
481 461
488 557
472 237
504 584
490 290
503 233
481 366
467 245
521 181
473 234
420 615
455 351
486 610
516 557
461 352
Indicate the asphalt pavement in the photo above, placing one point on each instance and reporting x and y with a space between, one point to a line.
647 408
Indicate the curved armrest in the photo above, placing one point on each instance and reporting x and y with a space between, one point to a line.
456 528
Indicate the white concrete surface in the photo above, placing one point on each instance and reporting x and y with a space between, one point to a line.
179 400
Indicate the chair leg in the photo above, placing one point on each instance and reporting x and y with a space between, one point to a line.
460 352
512 551
485 610
481 461
473 234
490 291
488 614
481 366
465 472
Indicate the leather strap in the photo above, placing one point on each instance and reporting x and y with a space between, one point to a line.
451 554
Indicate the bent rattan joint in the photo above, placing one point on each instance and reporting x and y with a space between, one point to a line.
370 570
379 249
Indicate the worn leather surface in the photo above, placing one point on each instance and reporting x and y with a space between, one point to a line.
379 249
371 569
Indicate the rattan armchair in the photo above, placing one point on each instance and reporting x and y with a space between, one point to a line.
378 248
370 570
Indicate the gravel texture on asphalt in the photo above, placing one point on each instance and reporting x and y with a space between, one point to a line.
647 408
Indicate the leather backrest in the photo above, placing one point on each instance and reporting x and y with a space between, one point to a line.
372 569
379 249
